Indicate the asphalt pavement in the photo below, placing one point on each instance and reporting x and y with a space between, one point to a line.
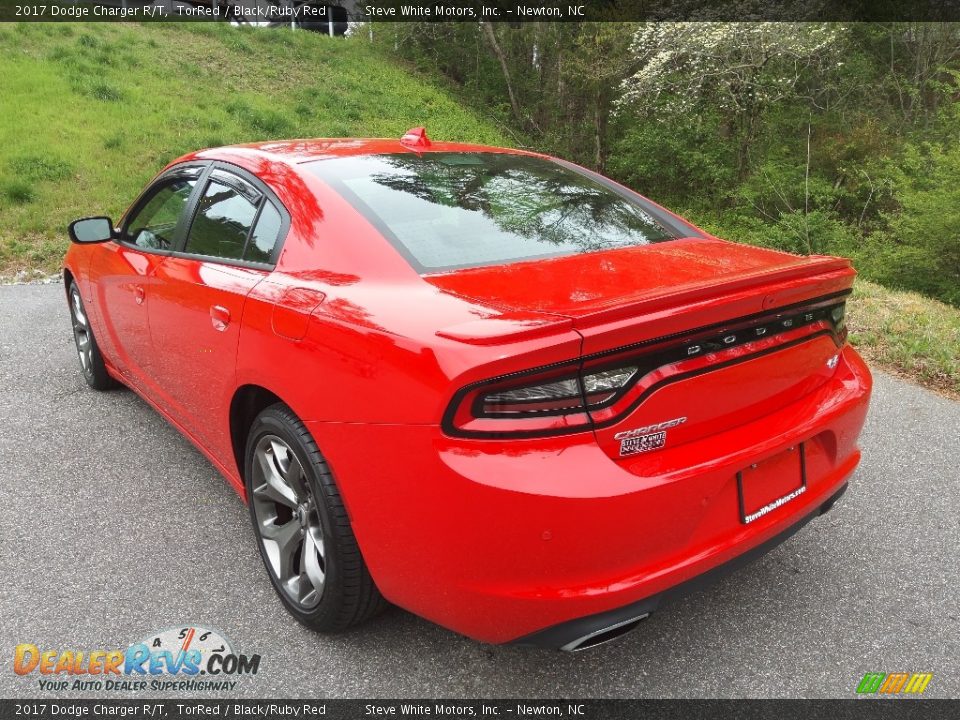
113 526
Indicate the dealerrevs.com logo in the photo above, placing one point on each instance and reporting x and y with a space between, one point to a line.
190 658
899 683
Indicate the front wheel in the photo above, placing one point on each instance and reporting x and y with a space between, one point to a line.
302 528
91 361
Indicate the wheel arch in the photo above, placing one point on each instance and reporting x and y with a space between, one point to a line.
248 401
68 278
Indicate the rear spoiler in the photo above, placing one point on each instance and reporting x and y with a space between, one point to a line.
810 277
507 328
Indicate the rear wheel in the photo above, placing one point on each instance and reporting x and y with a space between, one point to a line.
91 361
302 527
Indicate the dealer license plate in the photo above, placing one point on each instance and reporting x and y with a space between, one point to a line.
766 486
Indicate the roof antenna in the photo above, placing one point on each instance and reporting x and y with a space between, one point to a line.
416 137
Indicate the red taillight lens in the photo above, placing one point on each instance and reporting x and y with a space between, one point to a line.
547 401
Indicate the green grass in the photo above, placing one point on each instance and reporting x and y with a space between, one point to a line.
908 334
92 112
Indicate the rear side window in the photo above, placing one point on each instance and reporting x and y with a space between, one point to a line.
233 221
455 210
264 235
222 223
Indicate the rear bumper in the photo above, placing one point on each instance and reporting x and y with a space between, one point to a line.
507 541
566 636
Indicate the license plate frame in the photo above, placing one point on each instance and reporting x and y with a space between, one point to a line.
777 502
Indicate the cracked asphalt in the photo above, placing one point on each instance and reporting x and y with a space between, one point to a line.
114 526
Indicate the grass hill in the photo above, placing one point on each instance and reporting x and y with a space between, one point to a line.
91 112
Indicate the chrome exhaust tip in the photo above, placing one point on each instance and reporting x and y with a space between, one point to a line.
604 635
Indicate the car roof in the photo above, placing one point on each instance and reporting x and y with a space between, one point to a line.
308 150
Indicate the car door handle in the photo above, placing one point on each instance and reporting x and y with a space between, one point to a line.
138 294
220 317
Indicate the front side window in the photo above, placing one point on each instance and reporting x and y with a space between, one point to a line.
154 224
454 210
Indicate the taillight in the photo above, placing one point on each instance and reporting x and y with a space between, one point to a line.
557 396
600 389
838 315
574 393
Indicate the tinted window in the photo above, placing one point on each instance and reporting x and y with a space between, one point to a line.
447 210
264 236
152 227
222 221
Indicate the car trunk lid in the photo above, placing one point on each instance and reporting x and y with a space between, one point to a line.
597 287
720 334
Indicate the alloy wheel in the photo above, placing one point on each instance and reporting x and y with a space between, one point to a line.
288 521
81 331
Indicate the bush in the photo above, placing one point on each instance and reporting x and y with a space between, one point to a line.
921 249
18 192
665 159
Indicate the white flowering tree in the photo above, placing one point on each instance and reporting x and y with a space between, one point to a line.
740 68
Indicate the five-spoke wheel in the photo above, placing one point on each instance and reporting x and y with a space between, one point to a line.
286 512
81 329
91 361
305 537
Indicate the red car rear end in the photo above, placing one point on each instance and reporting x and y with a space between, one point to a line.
564 530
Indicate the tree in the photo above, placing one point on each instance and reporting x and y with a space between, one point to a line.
491 37
599 61
741 69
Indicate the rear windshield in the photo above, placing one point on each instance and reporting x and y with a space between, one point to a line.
457 210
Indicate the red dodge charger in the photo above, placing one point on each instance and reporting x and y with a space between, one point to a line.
489 386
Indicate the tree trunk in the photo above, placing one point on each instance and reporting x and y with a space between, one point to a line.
598 131
495 46
747 132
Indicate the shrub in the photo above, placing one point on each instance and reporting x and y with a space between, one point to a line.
18 192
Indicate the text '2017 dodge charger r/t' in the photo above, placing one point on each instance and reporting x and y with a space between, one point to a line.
489 386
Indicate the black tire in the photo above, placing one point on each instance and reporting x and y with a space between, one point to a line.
278 447
91 360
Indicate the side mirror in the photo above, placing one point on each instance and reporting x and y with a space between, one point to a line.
91 230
